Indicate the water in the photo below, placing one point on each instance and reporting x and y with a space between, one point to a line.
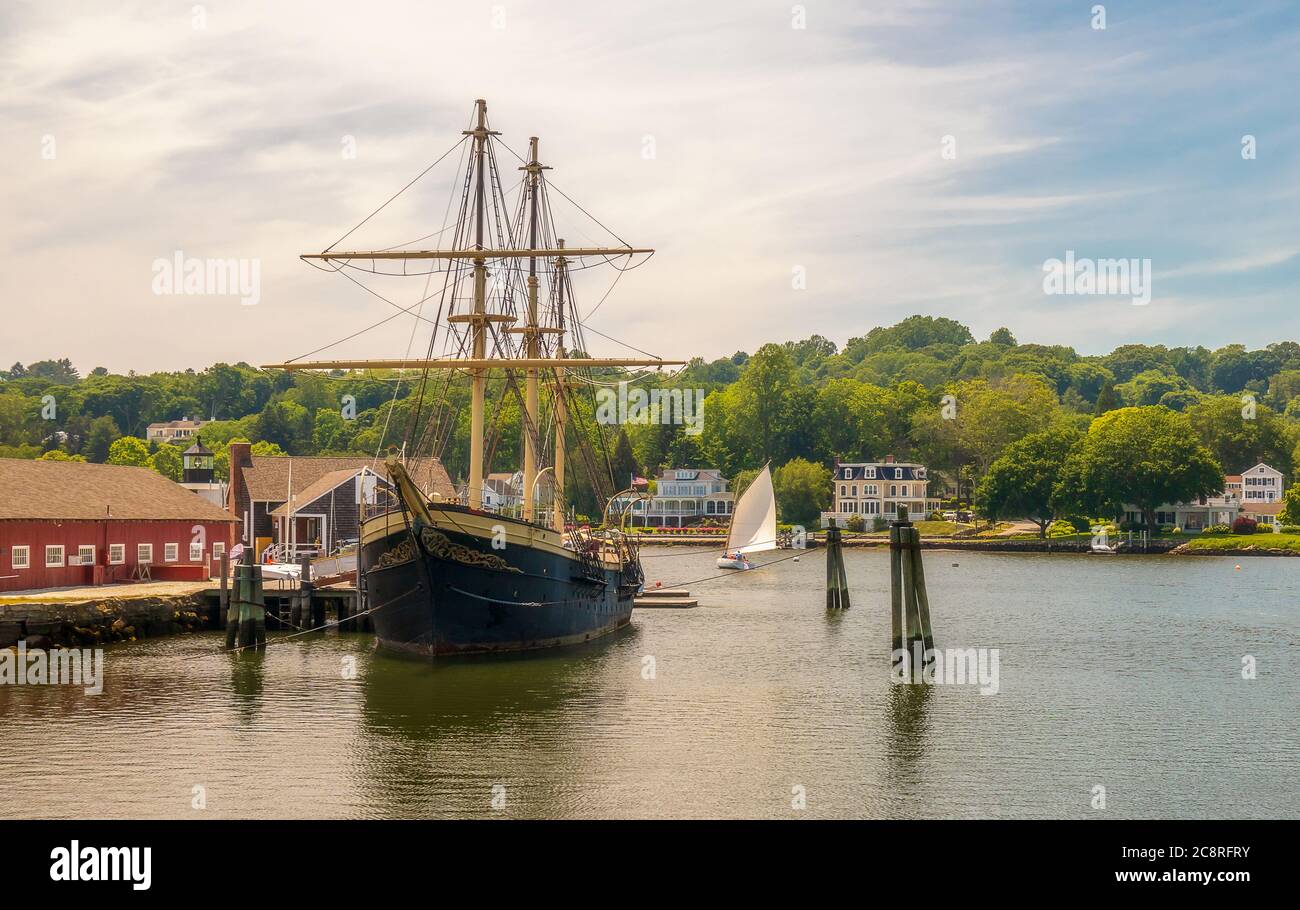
1123 672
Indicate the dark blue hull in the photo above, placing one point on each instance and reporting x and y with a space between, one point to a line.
445 589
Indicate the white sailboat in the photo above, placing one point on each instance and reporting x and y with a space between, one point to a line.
753 523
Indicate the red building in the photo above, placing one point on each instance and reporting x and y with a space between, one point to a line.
68 524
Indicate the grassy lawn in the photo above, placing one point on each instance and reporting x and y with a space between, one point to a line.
1265 541
940 528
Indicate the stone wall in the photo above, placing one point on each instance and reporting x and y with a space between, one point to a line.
91 623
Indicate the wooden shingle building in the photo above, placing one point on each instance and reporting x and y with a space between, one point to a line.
325 494
68 523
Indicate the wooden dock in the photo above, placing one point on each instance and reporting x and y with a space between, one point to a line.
665 599
286 610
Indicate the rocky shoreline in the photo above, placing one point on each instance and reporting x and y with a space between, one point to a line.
89 623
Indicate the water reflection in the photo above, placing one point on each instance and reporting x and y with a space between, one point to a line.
908 733
247 681
428 728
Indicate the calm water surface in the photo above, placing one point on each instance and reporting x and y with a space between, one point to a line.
1124 672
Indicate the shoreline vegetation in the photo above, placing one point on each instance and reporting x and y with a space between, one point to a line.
1009 430
1263 544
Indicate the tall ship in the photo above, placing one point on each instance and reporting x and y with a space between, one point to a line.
474 571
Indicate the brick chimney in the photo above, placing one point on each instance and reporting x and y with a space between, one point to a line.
889 459
241 457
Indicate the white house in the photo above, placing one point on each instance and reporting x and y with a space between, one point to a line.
682 496
1261 484
1255 493
174 432
871 489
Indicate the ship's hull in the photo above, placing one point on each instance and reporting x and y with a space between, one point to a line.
446 589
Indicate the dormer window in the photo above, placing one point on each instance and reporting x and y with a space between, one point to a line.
869 473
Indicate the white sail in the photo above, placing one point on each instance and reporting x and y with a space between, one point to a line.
753 524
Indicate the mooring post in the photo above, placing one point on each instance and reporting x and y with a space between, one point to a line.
922 596
909 600
837 585
257 609
252 604
896 578
233 608
223 598
305 608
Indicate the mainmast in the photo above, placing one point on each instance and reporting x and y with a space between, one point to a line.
479 320
531 403
561 408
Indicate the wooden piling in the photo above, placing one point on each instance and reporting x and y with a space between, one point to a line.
223 597
837 585
922 595
251 601
896 584
306 609
909 599
232 606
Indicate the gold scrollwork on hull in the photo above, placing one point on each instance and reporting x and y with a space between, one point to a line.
403 552
440 545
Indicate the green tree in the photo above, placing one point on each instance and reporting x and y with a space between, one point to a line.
1149 386
60 372
803 490
167 461
286 424
1146 457
623 463
913 334
59 455
1290 514
129 450
103 430
1022 482
1003 337
1107 400
1241 433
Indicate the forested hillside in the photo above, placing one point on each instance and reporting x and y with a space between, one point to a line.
923 389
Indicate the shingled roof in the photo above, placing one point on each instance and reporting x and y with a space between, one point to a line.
76 491
268 478
316 491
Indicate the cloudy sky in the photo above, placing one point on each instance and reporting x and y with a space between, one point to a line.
132 130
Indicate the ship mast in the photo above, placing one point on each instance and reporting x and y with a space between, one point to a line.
478 374
531 404
561 406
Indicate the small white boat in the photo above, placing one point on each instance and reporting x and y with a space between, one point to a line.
280 571
737 562
753 523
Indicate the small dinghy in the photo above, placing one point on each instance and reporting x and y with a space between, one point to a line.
753 523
